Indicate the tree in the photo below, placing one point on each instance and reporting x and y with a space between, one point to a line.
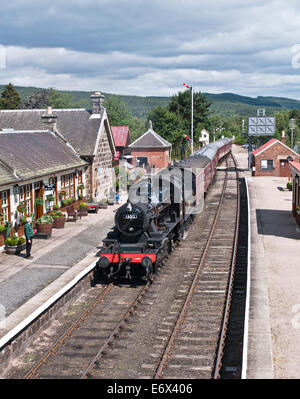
180 104
10 98
58 99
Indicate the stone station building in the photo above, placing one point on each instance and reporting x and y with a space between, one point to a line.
87 133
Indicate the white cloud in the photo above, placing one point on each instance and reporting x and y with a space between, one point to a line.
150 48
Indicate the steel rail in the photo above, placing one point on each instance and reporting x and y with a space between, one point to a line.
99 354
66 334
163 359
221 344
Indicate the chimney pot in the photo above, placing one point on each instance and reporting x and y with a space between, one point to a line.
97 102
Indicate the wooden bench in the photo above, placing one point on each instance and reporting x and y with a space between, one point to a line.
72 214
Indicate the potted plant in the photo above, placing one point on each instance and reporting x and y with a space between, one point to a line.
44 224
80 187
14 245
83 209
39 201
59 219
289 185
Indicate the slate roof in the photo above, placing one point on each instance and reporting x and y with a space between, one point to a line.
70 123
121 135
150 139
6 175
35 153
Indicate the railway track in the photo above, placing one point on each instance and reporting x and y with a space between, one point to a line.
76 352
206 307
190 342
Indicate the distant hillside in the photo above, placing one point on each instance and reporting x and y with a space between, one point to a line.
225 104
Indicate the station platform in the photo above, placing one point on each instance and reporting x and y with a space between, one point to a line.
272 333
27 284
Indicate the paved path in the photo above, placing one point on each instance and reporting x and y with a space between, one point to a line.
21 279
274 320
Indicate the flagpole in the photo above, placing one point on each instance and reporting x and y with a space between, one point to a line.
192 122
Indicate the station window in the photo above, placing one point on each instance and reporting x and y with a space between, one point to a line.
67 183
25 197
140 161
266 164
4 205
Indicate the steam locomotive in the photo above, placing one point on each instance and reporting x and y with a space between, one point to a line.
157 213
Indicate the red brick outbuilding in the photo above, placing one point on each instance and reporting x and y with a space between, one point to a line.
151 150
272 159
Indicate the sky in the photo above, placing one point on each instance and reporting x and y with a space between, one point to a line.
152 47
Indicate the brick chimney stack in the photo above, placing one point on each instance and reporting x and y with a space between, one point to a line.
50 120
283 138
97 102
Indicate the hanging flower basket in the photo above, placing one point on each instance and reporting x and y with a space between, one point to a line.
50 198
63 193
21 208
39 201
80 187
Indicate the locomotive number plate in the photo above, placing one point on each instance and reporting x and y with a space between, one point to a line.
129 216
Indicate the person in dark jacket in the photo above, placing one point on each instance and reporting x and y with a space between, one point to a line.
28 230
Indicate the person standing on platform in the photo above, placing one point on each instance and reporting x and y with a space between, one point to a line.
28 230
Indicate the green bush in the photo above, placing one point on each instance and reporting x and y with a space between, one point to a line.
56 207
289 185
21 241
57 214
45 219
11 242
2 227
83 205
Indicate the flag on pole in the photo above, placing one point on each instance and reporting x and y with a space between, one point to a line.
187 137
184 84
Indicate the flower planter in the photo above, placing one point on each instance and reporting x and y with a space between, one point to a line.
59 223
45 228
14 250
2 237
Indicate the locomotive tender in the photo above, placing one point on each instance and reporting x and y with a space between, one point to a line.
158 211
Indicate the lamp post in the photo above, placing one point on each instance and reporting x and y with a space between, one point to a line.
292 127
192 116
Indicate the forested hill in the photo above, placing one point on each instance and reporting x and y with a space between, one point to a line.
225 104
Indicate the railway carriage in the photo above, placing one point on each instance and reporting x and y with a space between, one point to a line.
157 213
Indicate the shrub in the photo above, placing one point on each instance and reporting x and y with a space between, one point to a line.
21 241
45 219
56 207
11 242
289 185
83 205
57 214
2 227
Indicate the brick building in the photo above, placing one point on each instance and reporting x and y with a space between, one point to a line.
295 171
88 133
272 159
151 150
122 140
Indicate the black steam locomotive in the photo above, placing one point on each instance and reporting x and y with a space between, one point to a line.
157 213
